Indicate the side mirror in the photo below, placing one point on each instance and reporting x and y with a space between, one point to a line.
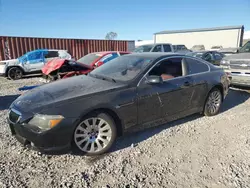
154 80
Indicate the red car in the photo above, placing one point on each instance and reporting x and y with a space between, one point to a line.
63 68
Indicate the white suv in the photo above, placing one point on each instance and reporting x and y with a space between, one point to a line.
30 63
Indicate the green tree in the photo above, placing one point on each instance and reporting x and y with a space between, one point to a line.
111 35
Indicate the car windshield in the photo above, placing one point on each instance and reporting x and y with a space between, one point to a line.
179 47
123 68
197 47
245 48
196 54
89 59
144 48
215 47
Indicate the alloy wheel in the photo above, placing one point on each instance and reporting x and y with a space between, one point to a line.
15 73
93 135
214 102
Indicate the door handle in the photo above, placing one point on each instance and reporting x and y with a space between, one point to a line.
186 84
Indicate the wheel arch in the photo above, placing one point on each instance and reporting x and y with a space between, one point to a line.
12 66
220 87
110 112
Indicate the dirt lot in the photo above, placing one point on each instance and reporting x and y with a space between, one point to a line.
193 152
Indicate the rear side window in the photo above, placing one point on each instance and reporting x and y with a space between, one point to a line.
195 66
51 54
157 48
167 48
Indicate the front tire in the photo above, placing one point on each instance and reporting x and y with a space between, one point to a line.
95 134
15 73
213 102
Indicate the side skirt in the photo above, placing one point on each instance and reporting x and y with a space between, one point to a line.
162 121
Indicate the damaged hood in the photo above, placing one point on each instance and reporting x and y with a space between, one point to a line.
56 64
53 65
62 91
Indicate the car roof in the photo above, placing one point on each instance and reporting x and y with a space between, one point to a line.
154 55
108 52
203 51
56 50
152 44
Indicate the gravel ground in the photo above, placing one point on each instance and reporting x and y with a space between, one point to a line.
193 152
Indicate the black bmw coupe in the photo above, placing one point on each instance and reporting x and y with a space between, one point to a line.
129 93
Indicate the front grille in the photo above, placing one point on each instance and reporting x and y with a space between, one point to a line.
14 116
240 66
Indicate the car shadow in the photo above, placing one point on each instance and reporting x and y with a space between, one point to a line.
5 101
234 98
133 139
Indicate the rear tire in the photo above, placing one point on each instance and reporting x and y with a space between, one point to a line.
95 134
15 73
213 102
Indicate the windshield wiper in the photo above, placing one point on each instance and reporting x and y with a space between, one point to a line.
108 78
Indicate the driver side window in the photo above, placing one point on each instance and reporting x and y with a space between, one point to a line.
168 69
34 57
157 48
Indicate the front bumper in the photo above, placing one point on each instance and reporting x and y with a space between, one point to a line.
2 70
57 139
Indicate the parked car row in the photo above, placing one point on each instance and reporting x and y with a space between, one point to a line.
54 64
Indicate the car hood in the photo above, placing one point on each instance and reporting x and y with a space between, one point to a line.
10 61
238 56
56 93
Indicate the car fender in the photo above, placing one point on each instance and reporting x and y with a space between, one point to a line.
9 67
104 107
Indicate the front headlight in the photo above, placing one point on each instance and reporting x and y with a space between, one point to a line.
224 62
46 122
2 63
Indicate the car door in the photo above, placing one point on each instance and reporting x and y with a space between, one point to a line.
176 92
35 61
157 48
197 70
165 100
167 48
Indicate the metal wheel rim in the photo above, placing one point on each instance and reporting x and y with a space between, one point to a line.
93 135
15 73
214 101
